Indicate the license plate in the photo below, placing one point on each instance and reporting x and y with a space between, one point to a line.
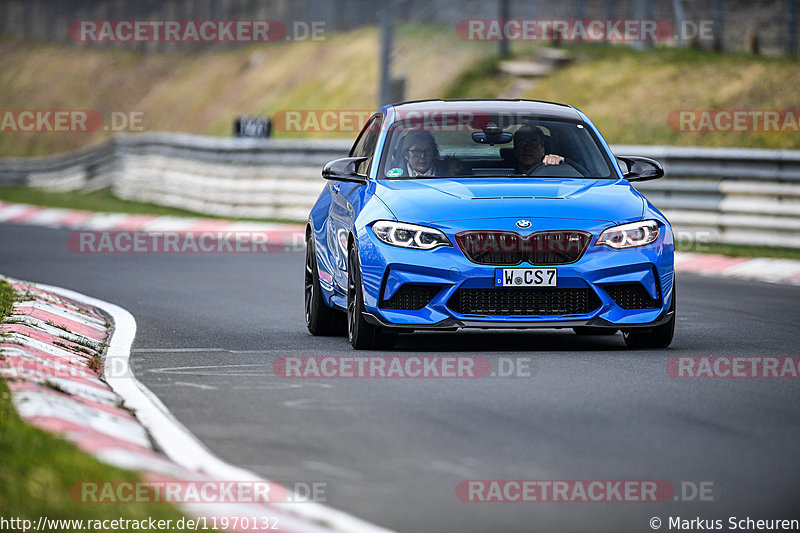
525 277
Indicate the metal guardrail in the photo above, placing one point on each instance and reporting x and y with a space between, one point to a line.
87 168
732 195
255 178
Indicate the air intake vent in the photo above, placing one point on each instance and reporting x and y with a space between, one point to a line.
632 296
523 301
411 297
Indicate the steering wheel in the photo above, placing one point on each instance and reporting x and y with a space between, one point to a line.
564 169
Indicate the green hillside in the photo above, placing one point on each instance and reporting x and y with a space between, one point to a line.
629 94
201 91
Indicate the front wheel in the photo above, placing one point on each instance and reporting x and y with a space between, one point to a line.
658 337
363 336
320 319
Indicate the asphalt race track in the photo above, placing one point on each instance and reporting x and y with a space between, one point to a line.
392 451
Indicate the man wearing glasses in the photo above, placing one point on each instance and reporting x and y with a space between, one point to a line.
530 151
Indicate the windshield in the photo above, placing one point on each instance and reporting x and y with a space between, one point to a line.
491 145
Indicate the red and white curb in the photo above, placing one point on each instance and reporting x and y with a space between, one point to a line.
286 235
50 344
758 269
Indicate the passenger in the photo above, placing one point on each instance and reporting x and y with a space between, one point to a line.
421 156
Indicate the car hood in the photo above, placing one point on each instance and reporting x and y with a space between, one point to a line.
446 200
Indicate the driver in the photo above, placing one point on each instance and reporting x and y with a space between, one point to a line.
529 150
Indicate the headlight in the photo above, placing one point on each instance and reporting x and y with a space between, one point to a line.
409 235
630 235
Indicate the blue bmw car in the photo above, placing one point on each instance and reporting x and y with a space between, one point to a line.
452 214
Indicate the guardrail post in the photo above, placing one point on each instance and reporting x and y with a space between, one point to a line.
791 27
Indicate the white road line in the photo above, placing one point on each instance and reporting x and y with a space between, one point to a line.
282 351
182 350
177 350
195 385
175 440
208 370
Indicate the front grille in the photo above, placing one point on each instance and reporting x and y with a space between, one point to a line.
510 248
519 301
411 297
632 296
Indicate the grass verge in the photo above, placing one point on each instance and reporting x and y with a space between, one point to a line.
7 297
739 250
38 469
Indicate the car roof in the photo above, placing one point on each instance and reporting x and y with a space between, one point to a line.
472 105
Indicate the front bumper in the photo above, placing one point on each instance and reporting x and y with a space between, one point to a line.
385 269
452 324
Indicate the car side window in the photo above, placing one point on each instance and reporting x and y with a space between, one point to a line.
366 142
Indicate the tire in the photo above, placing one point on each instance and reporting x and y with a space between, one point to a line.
585 330
362 335
657 337
320 319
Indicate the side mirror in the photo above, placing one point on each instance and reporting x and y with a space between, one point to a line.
345 169
636 168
